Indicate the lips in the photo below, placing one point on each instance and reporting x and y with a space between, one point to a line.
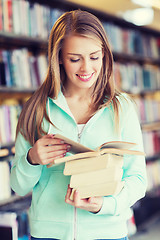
85 77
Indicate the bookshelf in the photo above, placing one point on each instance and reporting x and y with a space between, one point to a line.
135 61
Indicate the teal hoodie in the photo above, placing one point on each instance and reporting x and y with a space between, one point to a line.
49 215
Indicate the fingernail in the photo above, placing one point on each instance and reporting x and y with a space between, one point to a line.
52 135
68 147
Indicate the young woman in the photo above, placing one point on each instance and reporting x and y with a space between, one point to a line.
78 100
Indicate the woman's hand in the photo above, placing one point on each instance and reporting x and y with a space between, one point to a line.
92 204
46 149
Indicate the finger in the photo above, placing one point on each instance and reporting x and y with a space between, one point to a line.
68 194
76 198
51 161
91 200
55 155
60 147
50 141
47 136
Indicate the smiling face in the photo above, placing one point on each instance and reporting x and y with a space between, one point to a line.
82 60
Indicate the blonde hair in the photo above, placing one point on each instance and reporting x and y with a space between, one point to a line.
80 23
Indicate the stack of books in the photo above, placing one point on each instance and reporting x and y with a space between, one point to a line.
96 172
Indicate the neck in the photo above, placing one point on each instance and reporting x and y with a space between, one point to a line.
78 94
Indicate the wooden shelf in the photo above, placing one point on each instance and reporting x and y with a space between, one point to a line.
135 58
15 92
155 157
10 40
14 199
103 16
7 150
155 126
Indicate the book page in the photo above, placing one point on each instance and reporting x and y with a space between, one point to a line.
117 144
75 147
79 148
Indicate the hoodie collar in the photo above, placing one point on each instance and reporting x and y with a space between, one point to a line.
61 102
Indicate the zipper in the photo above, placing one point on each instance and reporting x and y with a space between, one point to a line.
75 209
75 223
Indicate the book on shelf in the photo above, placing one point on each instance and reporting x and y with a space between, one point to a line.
14 225
9 113
7 15
151 140
19 64
5 190
148 108
153 176
135 78
1 16
8 226
131 41
27 18
95 172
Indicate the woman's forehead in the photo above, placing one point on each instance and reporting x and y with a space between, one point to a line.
78 44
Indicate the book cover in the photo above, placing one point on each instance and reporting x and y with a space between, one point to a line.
97 190
96 177
92 164
1 16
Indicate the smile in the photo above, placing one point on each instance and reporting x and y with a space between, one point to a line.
85 78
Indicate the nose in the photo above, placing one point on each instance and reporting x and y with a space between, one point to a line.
85 65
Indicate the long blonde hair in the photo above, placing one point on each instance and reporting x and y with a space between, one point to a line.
81 23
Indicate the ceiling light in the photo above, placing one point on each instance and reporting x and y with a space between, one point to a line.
140 16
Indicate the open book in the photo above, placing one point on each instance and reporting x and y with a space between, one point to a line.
80 151
95 172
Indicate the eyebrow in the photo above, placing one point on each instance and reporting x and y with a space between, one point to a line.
76 54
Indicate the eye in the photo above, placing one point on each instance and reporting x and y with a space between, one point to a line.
74 60
94 58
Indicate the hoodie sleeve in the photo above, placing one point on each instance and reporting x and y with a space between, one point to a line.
134 168
24 176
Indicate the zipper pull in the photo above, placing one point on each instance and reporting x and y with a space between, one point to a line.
79 137
80 132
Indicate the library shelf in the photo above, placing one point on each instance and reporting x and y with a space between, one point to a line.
155 126
7 150
154 192
4 204
153 158
15 92
135 58
10 40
